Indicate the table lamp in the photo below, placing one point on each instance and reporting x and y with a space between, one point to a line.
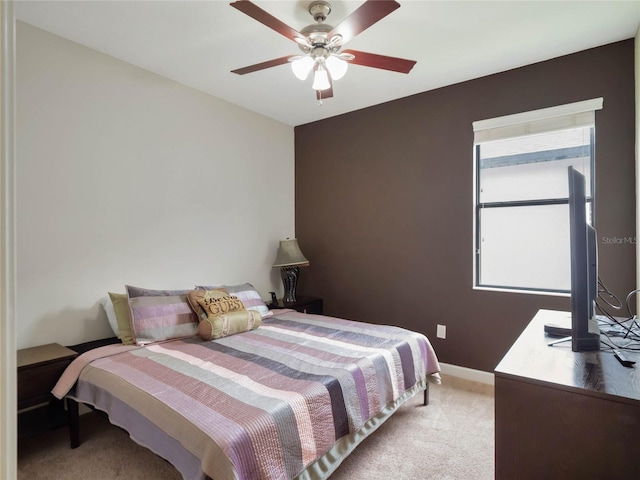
290 259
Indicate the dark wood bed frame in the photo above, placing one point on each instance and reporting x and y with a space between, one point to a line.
73 410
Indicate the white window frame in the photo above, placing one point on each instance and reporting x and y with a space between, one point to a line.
572 115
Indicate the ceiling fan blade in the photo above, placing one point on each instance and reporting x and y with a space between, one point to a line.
255 12
366 15
381 61
324 94
261 66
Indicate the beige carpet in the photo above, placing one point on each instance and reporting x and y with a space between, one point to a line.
452 438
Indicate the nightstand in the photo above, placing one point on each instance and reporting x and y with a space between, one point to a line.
39 368
303 305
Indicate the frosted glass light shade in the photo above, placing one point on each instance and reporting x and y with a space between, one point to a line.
336 66
321 80
302 66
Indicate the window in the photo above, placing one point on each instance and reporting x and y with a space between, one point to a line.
521 195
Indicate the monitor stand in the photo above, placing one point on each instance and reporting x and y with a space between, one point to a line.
560 327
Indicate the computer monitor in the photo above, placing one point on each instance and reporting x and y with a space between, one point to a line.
585 333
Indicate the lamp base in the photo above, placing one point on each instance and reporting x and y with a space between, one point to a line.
290 281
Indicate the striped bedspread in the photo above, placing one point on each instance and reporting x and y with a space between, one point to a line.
263 404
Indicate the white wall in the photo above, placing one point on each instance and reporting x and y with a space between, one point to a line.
126 177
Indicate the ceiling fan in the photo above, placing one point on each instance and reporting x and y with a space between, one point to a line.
321 43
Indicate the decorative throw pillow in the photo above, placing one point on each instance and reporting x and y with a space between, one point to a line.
192 298
247 294
218 301
123 317
218 326
158 315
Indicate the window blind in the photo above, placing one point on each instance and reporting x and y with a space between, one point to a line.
571 115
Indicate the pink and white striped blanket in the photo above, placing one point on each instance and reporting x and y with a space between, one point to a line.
264 404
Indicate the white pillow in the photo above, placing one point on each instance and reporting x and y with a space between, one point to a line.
107 305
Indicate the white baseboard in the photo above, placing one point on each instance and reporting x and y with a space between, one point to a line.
467 373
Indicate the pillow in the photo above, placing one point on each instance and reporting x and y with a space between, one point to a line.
158 315
247 294
107 306
214 302
192 298
123 317
218 326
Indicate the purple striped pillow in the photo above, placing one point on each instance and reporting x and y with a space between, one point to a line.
158 315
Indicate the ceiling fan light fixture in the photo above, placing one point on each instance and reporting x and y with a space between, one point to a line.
336 66
321 43
302 66
321 79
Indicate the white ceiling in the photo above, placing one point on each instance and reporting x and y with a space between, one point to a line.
198 43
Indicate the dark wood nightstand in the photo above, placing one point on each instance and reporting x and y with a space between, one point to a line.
302 304
39 368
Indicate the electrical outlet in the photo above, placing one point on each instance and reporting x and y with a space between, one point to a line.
441 331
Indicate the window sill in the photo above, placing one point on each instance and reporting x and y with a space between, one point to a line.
523 291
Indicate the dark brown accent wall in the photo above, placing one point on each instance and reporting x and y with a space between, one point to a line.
384 202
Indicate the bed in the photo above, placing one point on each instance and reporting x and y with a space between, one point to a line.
290 398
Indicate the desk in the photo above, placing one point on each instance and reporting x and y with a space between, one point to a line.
565 415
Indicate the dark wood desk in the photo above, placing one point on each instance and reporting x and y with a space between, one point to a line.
565 415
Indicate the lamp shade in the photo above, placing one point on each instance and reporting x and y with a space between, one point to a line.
336 66
320 79
289 254
302 66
